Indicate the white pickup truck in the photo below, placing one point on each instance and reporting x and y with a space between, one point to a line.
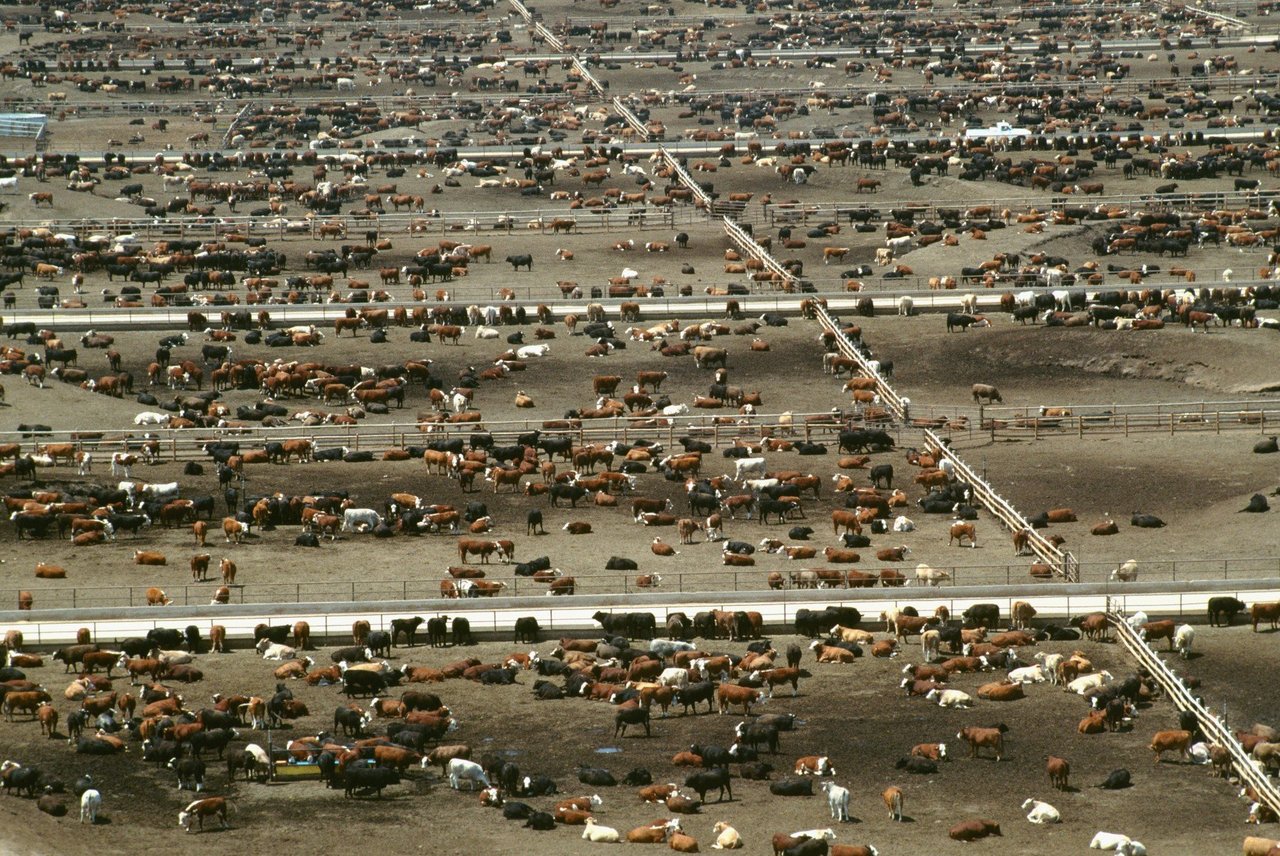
999 129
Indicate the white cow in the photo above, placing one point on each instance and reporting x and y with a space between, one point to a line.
273 651
727 838
90 802
1050 662
950 698
929 576
827 834
1041 813
360 519
487 333
600 834
906 305
462 770
1084 683
1029 675
529 351
673 677
1136 620
1127 572
150 417
1123 845
1183 637
837 801
675 410
747 468
159 490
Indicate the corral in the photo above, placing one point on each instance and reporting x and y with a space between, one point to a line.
310 147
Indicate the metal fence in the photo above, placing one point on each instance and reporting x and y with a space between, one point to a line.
735 580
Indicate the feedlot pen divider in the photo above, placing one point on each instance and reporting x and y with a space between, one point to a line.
1063 563
1214 728
1234 569
557 615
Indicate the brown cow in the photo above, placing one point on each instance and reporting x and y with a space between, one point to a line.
148 557
976 737
1170 741
1059 771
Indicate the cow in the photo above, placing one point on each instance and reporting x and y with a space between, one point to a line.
992 738
200 809
1170 741
972 830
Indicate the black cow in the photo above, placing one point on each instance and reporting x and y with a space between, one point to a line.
596 777
617 563
571 492
462 632
360 682
792 787
437 631
1116 781
533 523
689 696
406 626
350 721
882 472
960 320
498 677
380 643
516 811
369 780
527 629
212 739
1224 606
984 614
547 691
704 780
166 638
190 773
24 779
521 260
919 766
1145 521
1257 504
531 567
541 821
631 716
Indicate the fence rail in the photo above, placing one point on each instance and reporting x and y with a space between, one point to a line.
900 406
1062 563
1213 727
183 444
690 582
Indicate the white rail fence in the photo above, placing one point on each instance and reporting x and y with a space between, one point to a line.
560 614
1063 563
889 397
1210 724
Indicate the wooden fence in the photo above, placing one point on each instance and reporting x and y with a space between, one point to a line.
1214 728
1062 563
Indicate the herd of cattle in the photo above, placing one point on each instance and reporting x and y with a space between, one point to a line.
646 674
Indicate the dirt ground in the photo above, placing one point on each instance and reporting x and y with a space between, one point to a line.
854 714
